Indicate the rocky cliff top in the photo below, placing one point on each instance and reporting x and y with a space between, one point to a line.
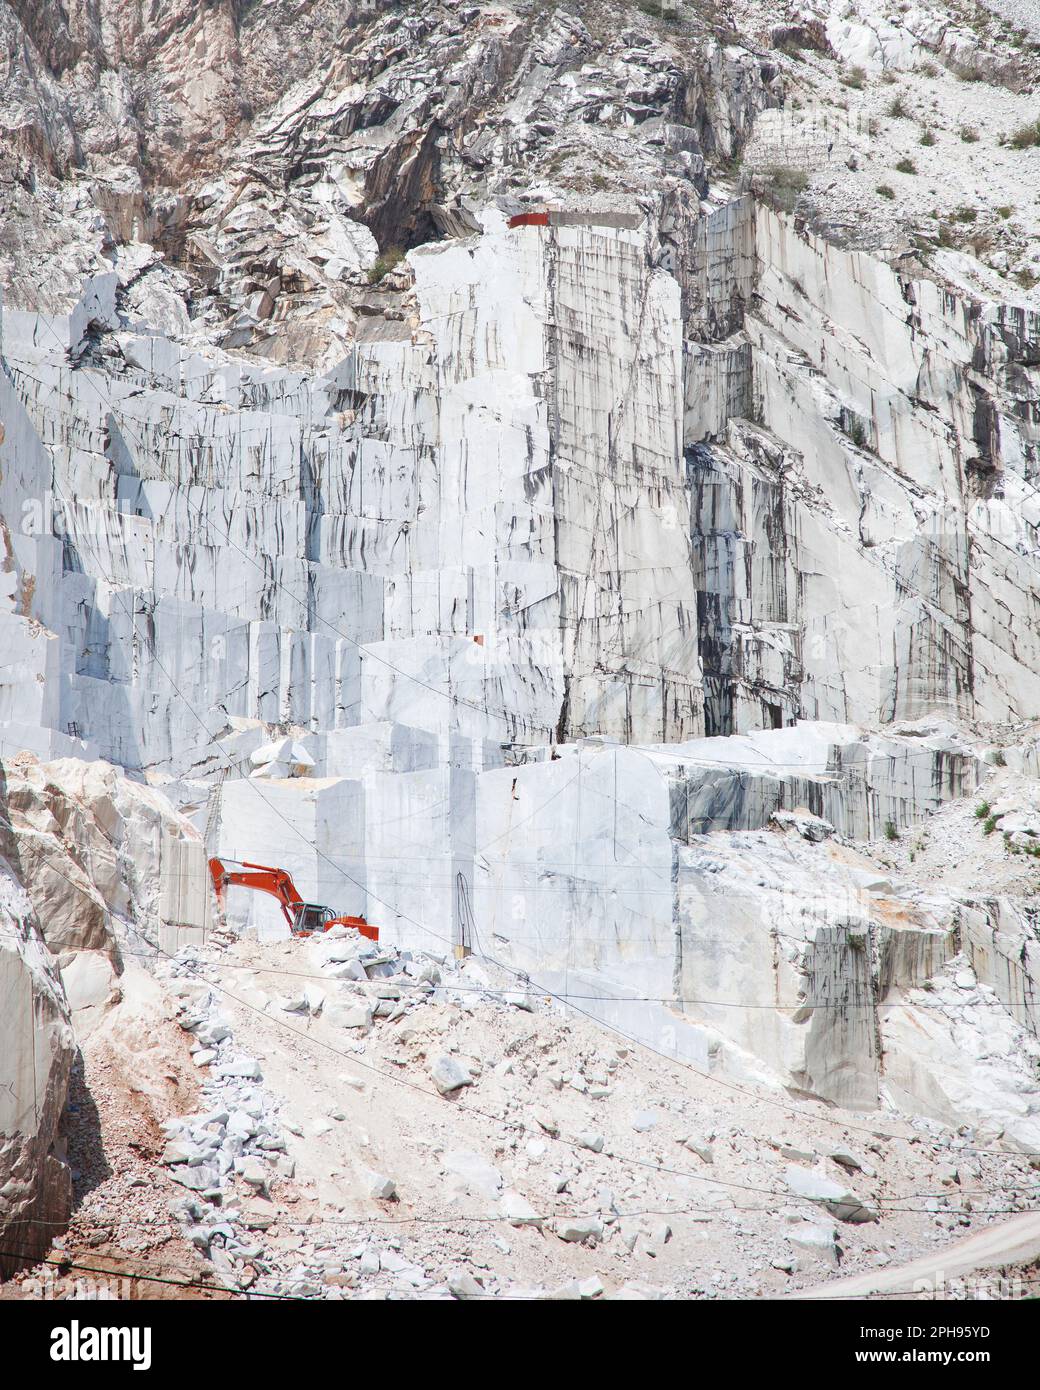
253 172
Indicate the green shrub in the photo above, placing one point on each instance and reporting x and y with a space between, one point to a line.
906 166
885 190
982 810
854 427
782 184
969 135
385 264
891 833
928 136
898 109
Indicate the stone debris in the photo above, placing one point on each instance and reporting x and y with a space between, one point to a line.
589 1139
840 1201
816 1241
588 1228
518 1211
380 1187
449 1074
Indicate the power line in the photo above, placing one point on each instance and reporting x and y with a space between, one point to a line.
498 1120
392 908
562 999
510 722
451 988
62 1263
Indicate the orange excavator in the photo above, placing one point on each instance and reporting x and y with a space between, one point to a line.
303 918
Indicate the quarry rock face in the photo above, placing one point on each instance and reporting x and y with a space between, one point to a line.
515 470
36 1055
94 871
915 427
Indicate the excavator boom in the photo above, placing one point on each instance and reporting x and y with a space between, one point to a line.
302 917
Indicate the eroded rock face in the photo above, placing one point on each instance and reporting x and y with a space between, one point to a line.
94 869
110 872
269 153
95 852
36 1051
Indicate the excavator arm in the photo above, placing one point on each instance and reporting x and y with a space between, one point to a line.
261 877
279 884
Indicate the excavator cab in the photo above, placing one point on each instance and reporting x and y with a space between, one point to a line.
312 917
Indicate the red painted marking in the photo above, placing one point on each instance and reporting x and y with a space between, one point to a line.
530 219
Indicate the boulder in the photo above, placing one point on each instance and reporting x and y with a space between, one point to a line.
517 1210
576 1229
379 1187
816 1241
591 1140
449 1074
842 1203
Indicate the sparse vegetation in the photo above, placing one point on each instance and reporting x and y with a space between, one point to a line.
1032 850
965 215
891 833
1004 211
854 427
898 109
969 135
885 190
928 136
782 184
906 166
385 264
1026 136
855 78
658 9
989 825
982 810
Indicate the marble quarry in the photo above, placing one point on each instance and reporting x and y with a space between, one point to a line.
592 621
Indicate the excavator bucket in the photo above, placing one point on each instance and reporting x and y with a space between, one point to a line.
359 924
